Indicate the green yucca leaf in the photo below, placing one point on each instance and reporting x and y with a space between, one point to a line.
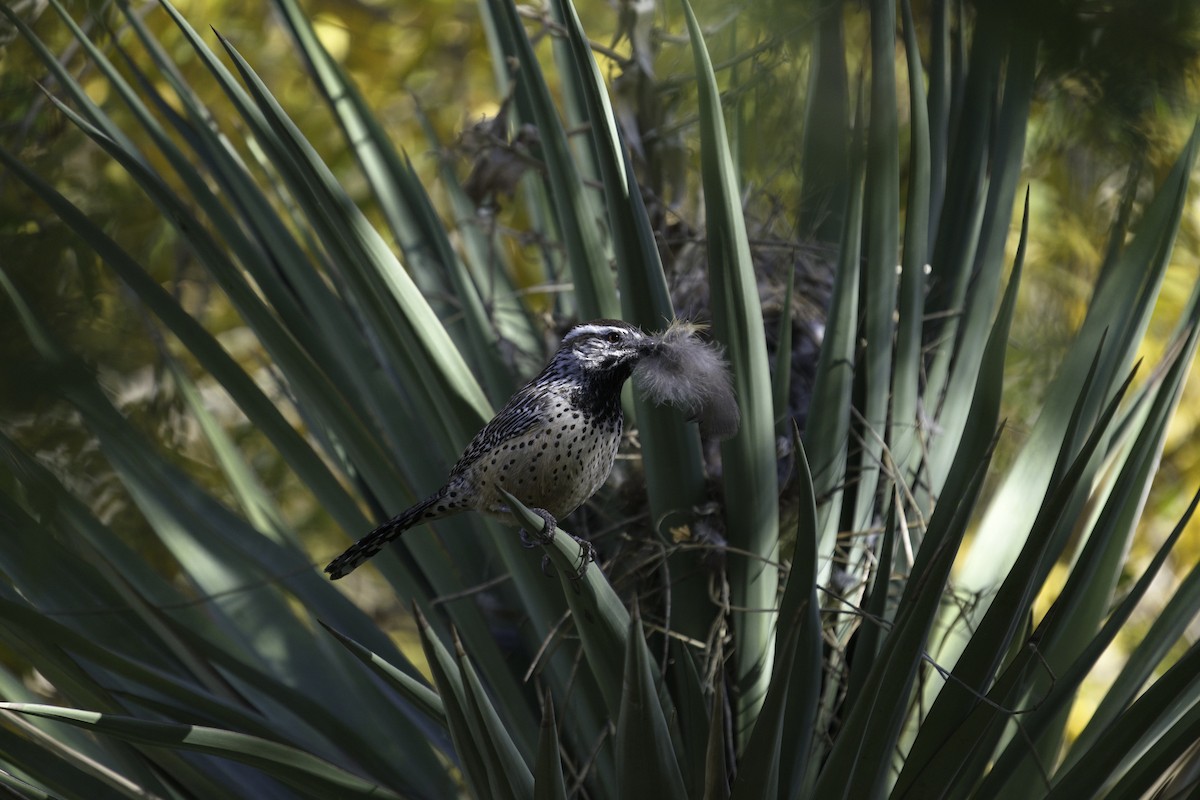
691 712
957 236
21 789
906 433
223 658
1004 170
1009 305
302 770
447 677
1174 694
589 714
1119 311
63 77
266 417
136 587
60 775
751 483
800 603
260 510
1026 670
258 315
762 759
301 371
315 316
875 620
971 332
1086 598
671 458
161 490
639 269
71 678
599 615
220 553
602 621
647 768
46 752
535 192
413 690
781 382
1162 758
36 560
982 416
738 114
860 757
826 157
971 102
1164 634
62 745
413 339
408 330
241 294
940 79
879 270
573 209
573 88
1063 692
508 771
548 781
217 550
936 758
488 268
402 199
716 774
827 434
404 757
55 638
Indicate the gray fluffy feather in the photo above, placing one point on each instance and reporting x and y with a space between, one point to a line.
691 374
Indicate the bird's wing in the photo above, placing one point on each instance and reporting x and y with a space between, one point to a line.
523 411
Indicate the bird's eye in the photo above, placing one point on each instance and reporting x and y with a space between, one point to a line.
614 337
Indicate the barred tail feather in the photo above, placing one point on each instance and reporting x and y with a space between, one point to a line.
373 542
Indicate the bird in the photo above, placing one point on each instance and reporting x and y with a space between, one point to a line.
551 446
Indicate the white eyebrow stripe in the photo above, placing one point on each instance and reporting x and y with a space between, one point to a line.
583 330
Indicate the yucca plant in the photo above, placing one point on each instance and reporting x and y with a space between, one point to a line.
811 638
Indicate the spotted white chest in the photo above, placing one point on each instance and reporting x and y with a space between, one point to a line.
555 466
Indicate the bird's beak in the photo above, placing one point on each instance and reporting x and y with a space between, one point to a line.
650 346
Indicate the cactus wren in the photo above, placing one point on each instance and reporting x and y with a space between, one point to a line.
551 446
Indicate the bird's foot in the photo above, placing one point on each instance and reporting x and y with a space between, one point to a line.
587 554
545 535
587 551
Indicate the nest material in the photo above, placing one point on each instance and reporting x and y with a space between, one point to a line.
691 374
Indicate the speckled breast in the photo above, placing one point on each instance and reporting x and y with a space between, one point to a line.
556 466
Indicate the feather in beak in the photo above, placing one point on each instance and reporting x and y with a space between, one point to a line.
680 369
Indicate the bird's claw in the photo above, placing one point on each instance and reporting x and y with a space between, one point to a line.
587 551
545 535
587 554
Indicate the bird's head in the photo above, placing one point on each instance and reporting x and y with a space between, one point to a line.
605 347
